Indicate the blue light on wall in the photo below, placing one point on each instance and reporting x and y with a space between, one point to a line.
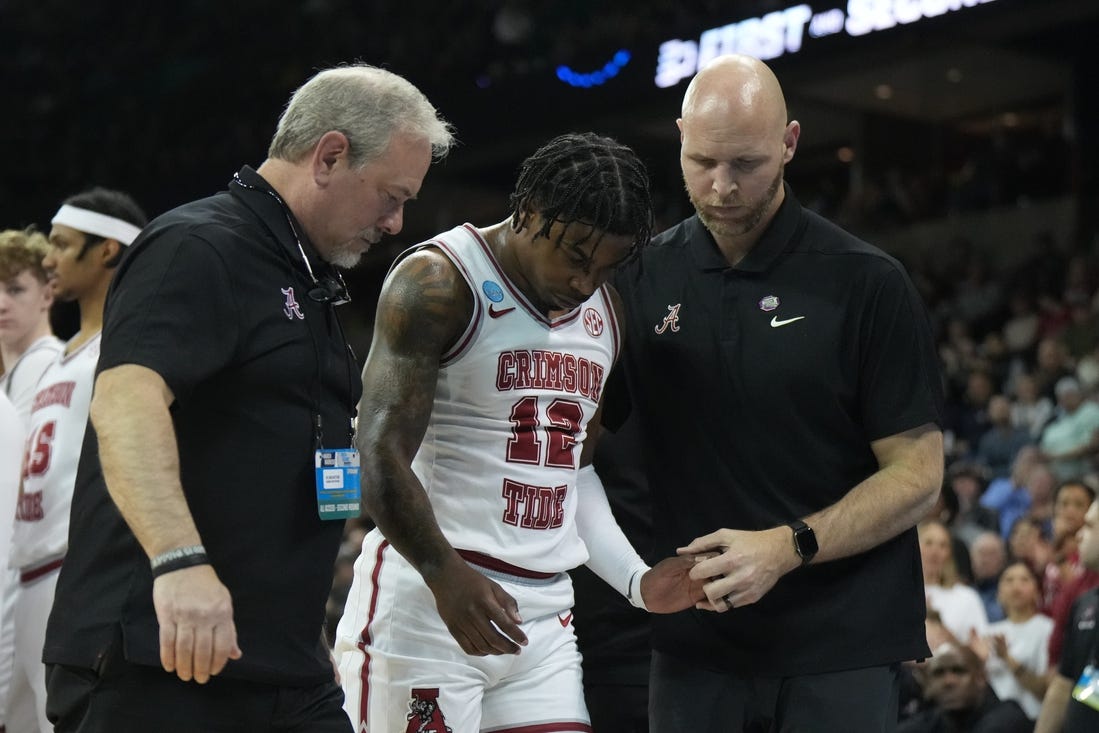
597 77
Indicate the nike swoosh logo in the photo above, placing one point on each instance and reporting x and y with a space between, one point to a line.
775 322
497 313
565 621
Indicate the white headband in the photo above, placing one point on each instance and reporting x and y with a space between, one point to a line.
92 222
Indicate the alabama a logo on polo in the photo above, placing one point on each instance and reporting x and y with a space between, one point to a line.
671 321
291 307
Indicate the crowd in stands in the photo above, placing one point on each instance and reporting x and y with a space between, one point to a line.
1020 358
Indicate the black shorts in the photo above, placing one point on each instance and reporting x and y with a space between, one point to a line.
687 697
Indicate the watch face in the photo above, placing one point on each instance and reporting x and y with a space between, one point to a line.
806 540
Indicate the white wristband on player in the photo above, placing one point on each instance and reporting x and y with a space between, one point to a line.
610 554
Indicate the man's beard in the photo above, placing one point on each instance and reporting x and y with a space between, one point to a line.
756 211
348 254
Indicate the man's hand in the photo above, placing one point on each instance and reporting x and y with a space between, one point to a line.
668 587
480 615
746 566
195 613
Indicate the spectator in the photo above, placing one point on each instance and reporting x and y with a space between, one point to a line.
1041 484
1053 364
997 448
1028 544
958 606
1016 650
967 483
1031 410
961 699
988 556
1070 504
1008 496
1071 441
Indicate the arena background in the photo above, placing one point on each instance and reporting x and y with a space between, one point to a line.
972 121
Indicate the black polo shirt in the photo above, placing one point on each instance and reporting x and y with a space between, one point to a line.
1081 649
203 298
759 388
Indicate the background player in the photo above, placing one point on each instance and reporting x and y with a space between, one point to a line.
86 242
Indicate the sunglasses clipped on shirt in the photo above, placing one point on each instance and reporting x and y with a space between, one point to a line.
331 290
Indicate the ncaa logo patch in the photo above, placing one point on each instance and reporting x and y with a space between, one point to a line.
768 303
593 322
492 291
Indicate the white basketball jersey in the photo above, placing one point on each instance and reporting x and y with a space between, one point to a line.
59 415
512 402
21 379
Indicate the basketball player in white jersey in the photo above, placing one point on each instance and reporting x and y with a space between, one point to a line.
27 347
481 398
27 344
87 239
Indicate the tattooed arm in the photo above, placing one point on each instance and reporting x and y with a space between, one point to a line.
424 307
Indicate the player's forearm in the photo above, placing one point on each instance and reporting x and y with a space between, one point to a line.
140 460
887 503
399 506
1052 717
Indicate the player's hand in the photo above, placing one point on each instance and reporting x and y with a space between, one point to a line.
669 587
197 633
748 564
480 615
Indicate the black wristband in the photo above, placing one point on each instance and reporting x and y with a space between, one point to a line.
178 559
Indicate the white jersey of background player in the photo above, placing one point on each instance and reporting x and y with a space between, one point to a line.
491 348
28 347
85 246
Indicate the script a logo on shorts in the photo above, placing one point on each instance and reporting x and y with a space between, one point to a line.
424 715
291 307
671 321
593 322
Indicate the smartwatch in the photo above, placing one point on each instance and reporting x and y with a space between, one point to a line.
805 540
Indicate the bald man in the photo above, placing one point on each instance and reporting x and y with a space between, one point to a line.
786 383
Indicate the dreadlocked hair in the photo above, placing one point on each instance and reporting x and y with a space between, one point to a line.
588 178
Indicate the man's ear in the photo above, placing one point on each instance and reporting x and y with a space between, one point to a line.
329 150
111 252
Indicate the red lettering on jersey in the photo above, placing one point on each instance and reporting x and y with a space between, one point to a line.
36 459
543 506
56 394
29 508
568 372
549 370
522 370
553 369
513 496
505 371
